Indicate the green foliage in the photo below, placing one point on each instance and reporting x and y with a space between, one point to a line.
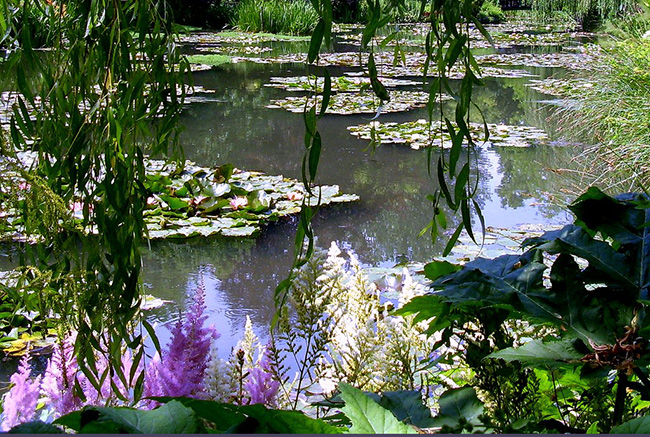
113 84
367 416
614 113
170 418
590 314
213 60
490 12
38 18
589 12
184 415
291 17
460 410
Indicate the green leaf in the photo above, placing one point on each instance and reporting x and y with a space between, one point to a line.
316 41
224 416
407 406
640 425
456 404
35 427
314 155
436 269
367 416
593 428
258 201
601 256
537 353
174 202
171 418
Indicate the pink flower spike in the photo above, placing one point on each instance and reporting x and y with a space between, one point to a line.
238 202
20 402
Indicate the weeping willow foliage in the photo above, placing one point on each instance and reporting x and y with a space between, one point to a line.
111 90
447 45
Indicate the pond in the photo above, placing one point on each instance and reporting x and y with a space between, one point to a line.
232 124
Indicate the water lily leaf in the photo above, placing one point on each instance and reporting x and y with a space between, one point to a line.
241 231
216 190
174 202
259 201
211 204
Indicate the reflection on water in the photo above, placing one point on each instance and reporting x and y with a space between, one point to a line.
234 126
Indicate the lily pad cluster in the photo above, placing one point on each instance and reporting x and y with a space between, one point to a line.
193 201
572 61
200 201
560 87
339 84
230 37
353 103
417 134
413 65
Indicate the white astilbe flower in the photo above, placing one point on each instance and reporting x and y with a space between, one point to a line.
217 382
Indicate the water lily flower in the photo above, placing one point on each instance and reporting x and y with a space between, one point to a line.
295 195
238 202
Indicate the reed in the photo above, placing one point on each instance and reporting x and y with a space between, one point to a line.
615 114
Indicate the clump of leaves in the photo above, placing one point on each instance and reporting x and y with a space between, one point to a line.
586 285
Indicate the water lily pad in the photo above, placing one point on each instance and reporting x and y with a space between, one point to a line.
560 87
573 61
417 134
237 206
339 84
359 103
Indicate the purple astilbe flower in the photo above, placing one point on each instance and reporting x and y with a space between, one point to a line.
20 402
261 386
181 370
58 382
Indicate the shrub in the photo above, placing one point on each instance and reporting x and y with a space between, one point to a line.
491 12
276 16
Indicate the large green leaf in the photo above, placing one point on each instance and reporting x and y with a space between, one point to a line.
367 416
601 256
619 218
407 406
35 427
224 416
640 425
537 353
254 418
456 404
171 418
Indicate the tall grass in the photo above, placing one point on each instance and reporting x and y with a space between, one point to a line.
615 113
288 17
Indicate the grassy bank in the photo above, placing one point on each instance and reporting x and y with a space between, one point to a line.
615 114
275 16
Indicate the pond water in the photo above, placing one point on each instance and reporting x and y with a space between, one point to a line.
232 125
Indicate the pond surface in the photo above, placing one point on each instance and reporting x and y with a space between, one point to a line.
233 125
